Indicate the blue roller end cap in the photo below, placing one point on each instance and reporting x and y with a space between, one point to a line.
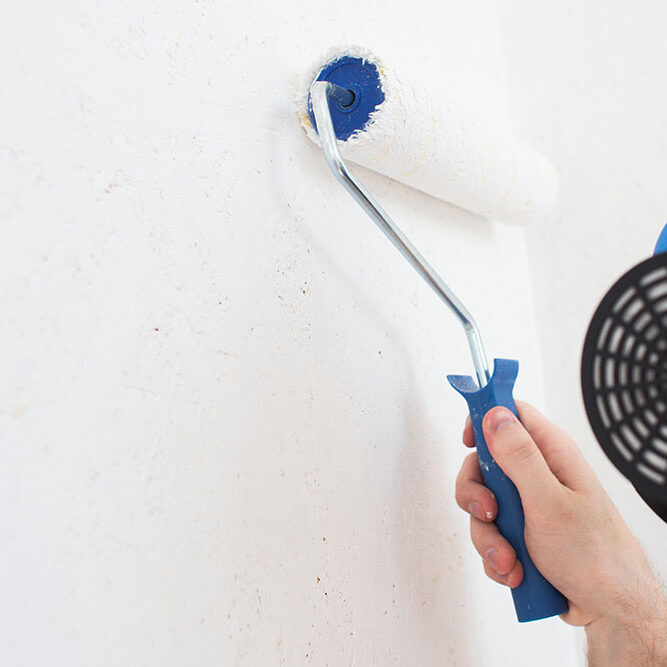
361 78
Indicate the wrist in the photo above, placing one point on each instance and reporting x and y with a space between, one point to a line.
633 631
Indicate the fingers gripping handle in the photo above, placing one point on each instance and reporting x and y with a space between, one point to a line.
535 597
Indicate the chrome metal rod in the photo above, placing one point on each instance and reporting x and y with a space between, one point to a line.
319 92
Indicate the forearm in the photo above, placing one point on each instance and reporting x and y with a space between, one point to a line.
633 633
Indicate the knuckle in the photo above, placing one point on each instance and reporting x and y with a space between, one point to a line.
458 495
506 559
520 447
477 535
494 576
473 530
470 464
458 487
463 482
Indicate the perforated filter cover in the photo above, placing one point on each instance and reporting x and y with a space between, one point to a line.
624 377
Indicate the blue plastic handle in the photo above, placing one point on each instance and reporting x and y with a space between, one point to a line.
535 597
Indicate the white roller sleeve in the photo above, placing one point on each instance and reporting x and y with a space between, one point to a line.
441 151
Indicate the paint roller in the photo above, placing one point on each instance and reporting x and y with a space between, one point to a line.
399 130
355 106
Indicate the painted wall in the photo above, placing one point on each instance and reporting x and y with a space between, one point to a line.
226 434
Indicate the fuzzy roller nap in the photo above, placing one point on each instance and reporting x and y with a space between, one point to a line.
400 131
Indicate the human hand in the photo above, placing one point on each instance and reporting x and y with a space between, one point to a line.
574 533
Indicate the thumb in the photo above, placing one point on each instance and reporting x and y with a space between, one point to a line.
515 451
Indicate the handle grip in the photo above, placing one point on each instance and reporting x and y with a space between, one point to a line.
535 597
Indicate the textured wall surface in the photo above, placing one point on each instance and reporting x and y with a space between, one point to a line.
226 436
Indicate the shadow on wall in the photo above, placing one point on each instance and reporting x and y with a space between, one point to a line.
428 545
377 554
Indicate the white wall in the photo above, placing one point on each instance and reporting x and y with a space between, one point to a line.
226 434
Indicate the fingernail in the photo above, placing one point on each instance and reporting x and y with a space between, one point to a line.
492 558
476 510
500 418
